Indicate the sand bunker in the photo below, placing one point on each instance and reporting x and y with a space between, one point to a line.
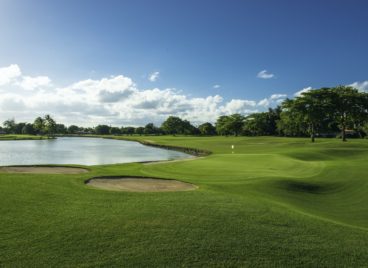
43 170
134 184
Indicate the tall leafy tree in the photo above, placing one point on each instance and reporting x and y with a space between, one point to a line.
349 107
49 126
150 129
102 130
265 123
39 125
28 129
10 125
223 125
311 107
207 129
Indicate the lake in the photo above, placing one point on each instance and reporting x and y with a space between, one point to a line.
83 151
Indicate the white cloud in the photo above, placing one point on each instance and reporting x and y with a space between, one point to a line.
265 102
114 100
216 86
154 76
273 100
299 93
8 74
265 75
31 83
363 86
278 96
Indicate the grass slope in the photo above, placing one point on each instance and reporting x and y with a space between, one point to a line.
269 202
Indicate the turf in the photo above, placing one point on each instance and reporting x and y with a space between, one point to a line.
270 202
22 137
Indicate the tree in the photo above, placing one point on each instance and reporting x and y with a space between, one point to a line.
102 130
115 131
150 129
61 129
18 128
236 124
312 107
265 123
222 125
139 130
349 107
73 129
49 126
129 130
10 125
172 125
188 129
207 129
39 125
28 129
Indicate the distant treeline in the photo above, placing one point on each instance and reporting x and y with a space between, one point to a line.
327 112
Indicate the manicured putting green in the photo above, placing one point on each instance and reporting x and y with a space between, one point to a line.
138 184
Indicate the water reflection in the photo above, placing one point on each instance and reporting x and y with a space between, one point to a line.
84 151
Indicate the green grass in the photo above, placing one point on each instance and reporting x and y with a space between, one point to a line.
22 137
271 202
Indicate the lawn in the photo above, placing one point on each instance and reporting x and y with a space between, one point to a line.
268 202
21 137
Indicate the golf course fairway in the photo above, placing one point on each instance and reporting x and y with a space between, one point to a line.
269 202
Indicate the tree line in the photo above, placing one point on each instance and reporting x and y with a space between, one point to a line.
326 112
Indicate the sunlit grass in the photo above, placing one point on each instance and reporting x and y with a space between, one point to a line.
267 202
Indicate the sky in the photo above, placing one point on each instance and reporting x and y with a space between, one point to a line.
134 62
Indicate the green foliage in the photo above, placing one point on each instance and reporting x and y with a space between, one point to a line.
28 129
128 130
73 129
102 130
230 125
174 125
115 131
207 129
324 109
151 129
10 126
61 129
139 130
49 126
39 125
262 124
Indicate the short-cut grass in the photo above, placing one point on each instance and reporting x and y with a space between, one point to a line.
268 202
22 137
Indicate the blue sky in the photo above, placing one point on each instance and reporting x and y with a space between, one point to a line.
190 45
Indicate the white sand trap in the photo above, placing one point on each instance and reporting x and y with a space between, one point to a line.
132 184
43 170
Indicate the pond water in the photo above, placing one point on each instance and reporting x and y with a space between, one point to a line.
83 151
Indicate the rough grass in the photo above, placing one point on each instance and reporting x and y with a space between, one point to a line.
269 202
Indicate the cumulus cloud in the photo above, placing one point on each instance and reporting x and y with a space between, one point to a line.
31 83
299 93
216 86
273 100
114 100
362 86
8 74
265 75
154 76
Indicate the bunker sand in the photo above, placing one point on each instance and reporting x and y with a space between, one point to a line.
43 170
131 184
